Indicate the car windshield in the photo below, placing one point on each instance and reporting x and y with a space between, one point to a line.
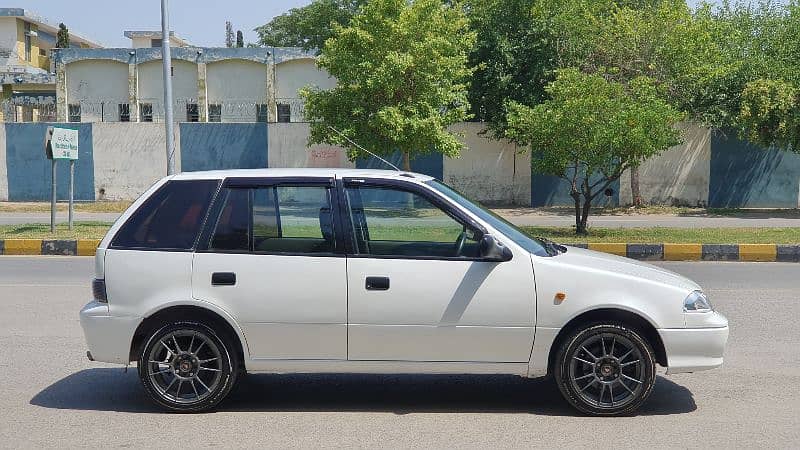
537 246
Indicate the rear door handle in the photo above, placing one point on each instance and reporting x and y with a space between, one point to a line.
223 279
377 283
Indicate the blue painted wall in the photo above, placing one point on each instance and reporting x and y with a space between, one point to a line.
210 146
29 169
431 164
547 190
743 175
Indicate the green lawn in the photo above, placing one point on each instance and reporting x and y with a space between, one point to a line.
96 230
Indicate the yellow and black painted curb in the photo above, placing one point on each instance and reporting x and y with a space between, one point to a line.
645 252
79 247
700 252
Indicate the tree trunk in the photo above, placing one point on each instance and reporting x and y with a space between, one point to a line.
587 207
637 196
577 198
406 162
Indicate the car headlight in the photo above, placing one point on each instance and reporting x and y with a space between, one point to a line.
697 302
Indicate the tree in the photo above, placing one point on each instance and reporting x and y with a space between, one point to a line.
308 26
239 39
401 71
228 34
62 37
590 130
769 108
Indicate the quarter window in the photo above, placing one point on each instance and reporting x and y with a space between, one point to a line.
275 219
170 219
394 222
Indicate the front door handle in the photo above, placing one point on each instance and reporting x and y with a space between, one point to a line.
377 283
223 279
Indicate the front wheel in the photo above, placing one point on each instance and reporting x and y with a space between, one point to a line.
605 369
187 367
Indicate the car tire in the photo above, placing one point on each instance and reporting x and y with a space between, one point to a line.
605 369
188 367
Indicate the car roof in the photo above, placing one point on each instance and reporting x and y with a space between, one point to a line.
301 172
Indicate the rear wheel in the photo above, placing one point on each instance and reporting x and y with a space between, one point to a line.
605 369
188 367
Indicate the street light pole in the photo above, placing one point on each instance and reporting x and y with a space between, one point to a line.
166 58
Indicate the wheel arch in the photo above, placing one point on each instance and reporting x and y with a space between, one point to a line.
215 319
613 315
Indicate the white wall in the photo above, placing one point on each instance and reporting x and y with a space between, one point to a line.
491 171
8 38
238 85
184 86
679 176
93 81
288 147
293 75
3 167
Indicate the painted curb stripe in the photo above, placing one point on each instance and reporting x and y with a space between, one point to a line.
22 247
613 248
683 252
758 252
87 247
646 252
720 252
788 253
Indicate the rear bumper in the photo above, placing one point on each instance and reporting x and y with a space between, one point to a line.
695 349
108 337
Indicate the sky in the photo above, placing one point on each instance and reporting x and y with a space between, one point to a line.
201 22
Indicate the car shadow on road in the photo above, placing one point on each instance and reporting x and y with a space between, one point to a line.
110 389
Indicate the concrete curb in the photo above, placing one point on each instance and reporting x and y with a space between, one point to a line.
80 247
644 252
700 252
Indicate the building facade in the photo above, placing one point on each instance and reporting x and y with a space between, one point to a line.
27 79
208 84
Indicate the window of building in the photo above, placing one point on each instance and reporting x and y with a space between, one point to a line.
42 52
124 112
156 43
215 112
192 113
284 113
28 41
170 219
262 112
145 112
75 112
275 219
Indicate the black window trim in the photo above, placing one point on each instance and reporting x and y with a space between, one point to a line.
202 245
203 224
427 193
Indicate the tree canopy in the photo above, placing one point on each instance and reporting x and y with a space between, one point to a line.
401 71
589 130
62 37
308 26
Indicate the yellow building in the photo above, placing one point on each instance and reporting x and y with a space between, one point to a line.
27 81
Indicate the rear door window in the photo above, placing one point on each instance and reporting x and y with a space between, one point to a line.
275 219
170 219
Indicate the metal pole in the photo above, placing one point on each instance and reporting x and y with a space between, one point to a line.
166 58
53 196
71 189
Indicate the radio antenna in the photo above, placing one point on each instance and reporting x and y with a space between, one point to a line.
362 148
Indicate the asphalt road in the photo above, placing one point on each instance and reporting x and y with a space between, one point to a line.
522 217
51 396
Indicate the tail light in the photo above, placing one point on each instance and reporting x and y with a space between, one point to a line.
99 290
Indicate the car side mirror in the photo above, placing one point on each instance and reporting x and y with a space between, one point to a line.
494 250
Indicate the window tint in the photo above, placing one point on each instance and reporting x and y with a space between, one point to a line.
393 222
170 219
280 219
232 231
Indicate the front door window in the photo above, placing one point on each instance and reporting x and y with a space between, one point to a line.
389 221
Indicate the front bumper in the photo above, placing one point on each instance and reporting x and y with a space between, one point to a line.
696 349
108 338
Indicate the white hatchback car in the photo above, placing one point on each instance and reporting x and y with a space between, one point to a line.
213 274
